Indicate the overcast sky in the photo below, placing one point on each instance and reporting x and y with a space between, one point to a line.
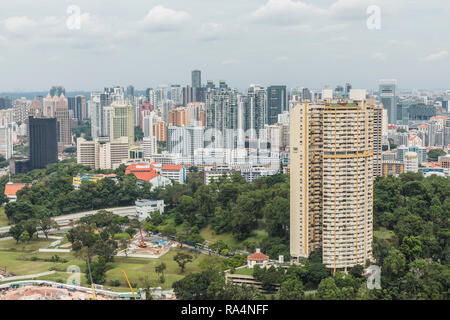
148 43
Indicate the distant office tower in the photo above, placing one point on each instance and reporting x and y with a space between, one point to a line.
130 92
332 182
389 98
43 142
123 121
77 105
21 109
5 103
57 91
306 94
222 117
197 86
348 87
339 90
196 79
276 102
6 143
64 123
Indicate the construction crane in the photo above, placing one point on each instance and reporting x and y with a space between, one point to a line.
142 245
129 283
90 276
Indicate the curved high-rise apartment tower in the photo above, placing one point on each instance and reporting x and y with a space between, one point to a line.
332 181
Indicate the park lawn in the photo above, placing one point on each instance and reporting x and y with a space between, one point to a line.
210 235
32 245
15 263
244 272
141 270
3 218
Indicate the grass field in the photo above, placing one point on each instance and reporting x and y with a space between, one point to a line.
244 272
24 259
3 218
209 235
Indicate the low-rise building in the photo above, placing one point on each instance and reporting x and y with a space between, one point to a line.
78 180
174 172
11 190
144 208
257 259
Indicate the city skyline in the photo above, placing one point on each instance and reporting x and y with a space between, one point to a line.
277 41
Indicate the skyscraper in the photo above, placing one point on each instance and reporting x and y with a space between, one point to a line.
332 182
43 142
389 98
196 79
222 117
196 85
276 102
64 123
130 92
253 108
123 122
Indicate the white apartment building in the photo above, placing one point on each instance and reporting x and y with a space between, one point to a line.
411 161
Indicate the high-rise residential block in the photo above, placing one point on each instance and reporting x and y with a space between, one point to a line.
332 181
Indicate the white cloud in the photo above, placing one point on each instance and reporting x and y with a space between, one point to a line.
285 12
27 32
293 12
231 61
436 56
160 19
18 24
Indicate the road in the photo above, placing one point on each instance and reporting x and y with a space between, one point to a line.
66 219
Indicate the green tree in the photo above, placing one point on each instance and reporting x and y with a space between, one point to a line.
24 237
182 259
328 290
291 290
16 231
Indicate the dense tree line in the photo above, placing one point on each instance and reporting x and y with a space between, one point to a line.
232 205
415 261
52 192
